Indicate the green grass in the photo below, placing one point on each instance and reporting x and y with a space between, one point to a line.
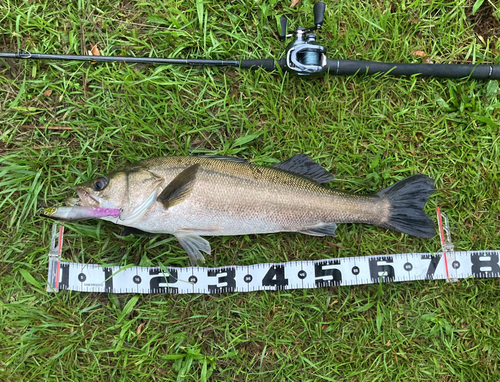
369 131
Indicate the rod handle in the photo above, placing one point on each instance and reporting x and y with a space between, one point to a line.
267 64
350 67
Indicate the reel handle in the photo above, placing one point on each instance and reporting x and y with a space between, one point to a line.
283 23
319 14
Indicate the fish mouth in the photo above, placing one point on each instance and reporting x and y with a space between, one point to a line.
86 199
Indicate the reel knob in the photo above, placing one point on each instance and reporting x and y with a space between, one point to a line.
283 22
319 14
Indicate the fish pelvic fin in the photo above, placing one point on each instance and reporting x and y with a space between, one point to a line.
302 165
323 229
179 188
407 201
194 245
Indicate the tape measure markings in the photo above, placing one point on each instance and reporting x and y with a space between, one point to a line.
281 276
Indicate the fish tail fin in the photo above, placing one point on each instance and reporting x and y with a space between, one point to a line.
407 201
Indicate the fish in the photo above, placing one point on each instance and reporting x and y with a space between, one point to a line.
196 196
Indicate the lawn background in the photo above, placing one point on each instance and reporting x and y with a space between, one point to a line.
63 123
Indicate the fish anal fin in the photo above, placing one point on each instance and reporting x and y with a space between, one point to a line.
323 229
194 245
179 188
302 165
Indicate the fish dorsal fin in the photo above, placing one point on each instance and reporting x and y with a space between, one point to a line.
301 164
179 188
223 157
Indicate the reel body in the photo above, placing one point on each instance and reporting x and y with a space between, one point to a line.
304 56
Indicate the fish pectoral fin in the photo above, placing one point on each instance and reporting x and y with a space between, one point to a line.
323 229
179 188
301 164
194 245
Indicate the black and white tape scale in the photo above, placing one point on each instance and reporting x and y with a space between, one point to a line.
448 265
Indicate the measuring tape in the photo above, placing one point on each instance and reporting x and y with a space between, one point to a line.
448 265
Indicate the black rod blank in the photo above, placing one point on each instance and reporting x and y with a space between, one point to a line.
267 64
333 67
129 59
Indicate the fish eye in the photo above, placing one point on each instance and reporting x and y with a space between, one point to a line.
100 184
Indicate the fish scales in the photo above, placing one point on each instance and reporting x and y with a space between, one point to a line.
231 198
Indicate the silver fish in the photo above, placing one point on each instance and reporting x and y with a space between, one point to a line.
191 197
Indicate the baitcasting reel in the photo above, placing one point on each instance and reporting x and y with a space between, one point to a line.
304 56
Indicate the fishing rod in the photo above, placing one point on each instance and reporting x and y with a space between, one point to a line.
303 57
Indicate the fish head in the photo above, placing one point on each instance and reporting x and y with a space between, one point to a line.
107 191
133 192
